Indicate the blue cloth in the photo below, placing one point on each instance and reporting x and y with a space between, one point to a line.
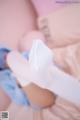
8 81
3 53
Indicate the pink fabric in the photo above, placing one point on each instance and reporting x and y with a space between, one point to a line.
44 7
62 110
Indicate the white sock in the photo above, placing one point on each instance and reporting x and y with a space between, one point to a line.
44 73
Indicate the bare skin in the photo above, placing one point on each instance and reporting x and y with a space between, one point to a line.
38 96
17 19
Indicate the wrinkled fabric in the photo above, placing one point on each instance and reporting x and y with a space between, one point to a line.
8 81
61 110
3 53
9 84
44 72
68 59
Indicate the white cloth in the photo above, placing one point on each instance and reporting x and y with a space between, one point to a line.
41 71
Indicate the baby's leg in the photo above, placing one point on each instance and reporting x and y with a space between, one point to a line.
4 100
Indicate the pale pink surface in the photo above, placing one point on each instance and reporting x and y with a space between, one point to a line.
62 110
44 7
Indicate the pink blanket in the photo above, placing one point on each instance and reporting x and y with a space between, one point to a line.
62 110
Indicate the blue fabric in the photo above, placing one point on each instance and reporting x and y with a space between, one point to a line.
8 81
3 53
26 55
